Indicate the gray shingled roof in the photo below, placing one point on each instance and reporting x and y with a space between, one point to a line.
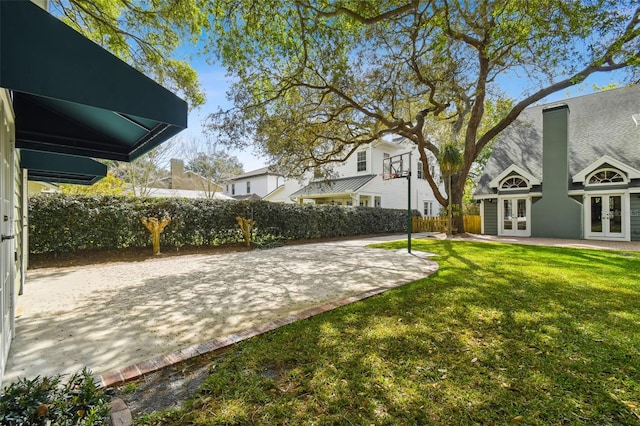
258 172
599 124
335 186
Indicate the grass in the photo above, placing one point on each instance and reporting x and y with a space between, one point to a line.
500 334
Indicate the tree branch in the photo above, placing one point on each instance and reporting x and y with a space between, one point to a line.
341 10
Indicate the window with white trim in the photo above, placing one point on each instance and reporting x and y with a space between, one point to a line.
248 187
428 209
362 161
514 182
435 173
420 170
233 189
606 176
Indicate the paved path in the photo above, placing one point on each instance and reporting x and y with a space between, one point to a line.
115 315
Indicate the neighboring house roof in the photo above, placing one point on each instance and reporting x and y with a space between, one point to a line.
186 193
599 124
194 180
274 192
334 186
258 172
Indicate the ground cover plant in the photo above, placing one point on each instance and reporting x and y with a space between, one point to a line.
46 401
500 334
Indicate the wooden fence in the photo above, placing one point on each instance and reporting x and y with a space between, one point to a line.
472 224
439 224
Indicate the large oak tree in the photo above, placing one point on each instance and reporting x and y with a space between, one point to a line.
314 80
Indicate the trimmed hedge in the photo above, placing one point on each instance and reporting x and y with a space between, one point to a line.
64 223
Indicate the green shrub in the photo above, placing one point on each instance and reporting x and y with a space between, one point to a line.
63 223
46 401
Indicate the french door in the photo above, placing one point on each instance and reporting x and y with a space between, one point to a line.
515 213
605 217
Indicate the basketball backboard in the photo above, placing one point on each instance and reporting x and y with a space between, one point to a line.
396 166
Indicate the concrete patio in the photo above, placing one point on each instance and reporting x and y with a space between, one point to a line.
115 315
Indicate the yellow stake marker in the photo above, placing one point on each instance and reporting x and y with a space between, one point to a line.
246 225
155 226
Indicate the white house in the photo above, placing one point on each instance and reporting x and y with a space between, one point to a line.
263 183
360 181
63 101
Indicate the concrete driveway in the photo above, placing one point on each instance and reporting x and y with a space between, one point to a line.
135 317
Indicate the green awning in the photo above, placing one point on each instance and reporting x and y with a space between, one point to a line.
62 168
71 96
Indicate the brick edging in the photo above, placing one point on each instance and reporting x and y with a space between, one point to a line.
125 374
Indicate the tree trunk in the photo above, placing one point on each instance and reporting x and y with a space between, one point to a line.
457 188
458 220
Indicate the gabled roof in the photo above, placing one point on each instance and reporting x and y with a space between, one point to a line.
514 169
599 124
274 192
581 176
258 172
334 186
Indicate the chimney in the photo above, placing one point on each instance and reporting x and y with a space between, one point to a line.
177 173
556 214
555 150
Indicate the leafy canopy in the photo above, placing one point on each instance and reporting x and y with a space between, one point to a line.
145 34
315 80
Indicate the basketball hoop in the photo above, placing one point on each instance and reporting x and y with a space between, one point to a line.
389 176
399 166
396 166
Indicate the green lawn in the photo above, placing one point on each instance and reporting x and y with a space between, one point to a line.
500 334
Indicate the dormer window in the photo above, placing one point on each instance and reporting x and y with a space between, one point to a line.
606 176
514 182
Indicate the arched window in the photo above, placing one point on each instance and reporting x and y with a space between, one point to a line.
606 176
514 182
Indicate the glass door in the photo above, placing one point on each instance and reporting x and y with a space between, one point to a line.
515 217
605 216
